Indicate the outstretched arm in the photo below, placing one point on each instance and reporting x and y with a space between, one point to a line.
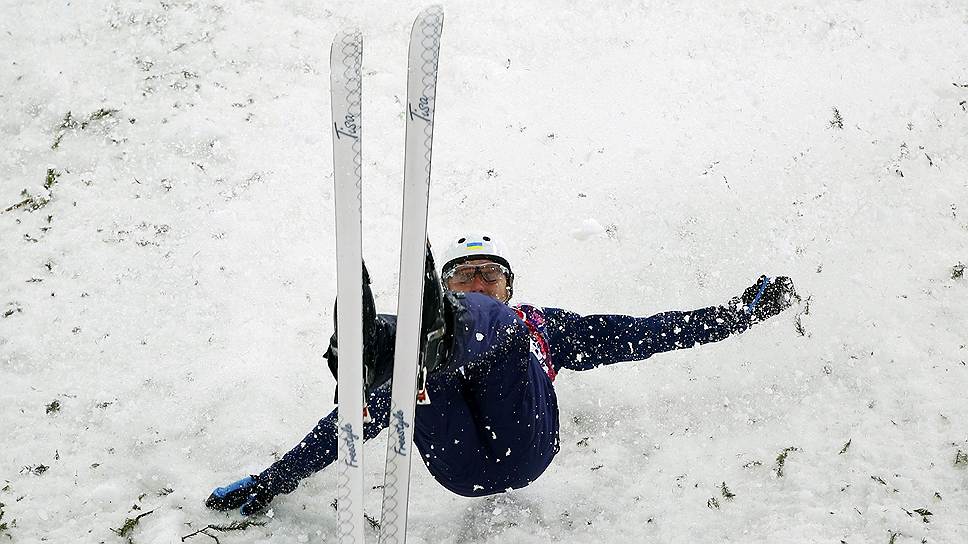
584 342
253 494
318 449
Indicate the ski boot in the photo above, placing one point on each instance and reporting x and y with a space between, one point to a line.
379 332
438 307
374 331
436 332
435 335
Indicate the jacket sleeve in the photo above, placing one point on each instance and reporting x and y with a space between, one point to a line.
318 448
579 342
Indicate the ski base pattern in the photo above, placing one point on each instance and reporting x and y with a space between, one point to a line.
346 61
421 103
346 58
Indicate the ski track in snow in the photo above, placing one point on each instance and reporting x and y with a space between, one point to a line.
166 305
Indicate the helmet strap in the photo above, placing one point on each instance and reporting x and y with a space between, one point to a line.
510 286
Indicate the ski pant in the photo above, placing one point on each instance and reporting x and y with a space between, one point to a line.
492 424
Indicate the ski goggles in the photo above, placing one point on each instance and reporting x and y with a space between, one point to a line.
463 274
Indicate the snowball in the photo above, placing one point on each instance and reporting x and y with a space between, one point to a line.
589 228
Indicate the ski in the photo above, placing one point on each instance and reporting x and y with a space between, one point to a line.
346 59
421 102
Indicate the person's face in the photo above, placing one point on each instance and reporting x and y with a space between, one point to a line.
479 276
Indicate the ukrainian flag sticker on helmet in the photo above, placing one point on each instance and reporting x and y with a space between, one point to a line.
475 245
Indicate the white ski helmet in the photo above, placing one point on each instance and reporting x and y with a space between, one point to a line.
476 245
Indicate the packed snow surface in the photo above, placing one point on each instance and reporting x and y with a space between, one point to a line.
167 258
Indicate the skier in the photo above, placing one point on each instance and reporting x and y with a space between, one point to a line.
492 421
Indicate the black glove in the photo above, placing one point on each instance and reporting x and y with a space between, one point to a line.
768 297
248 495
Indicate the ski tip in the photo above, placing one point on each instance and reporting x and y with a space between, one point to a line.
427 28
347 51
433 15
349 37
348 42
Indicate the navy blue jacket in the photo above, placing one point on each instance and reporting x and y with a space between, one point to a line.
492 423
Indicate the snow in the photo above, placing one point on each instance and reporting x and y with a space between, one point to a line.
172 291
